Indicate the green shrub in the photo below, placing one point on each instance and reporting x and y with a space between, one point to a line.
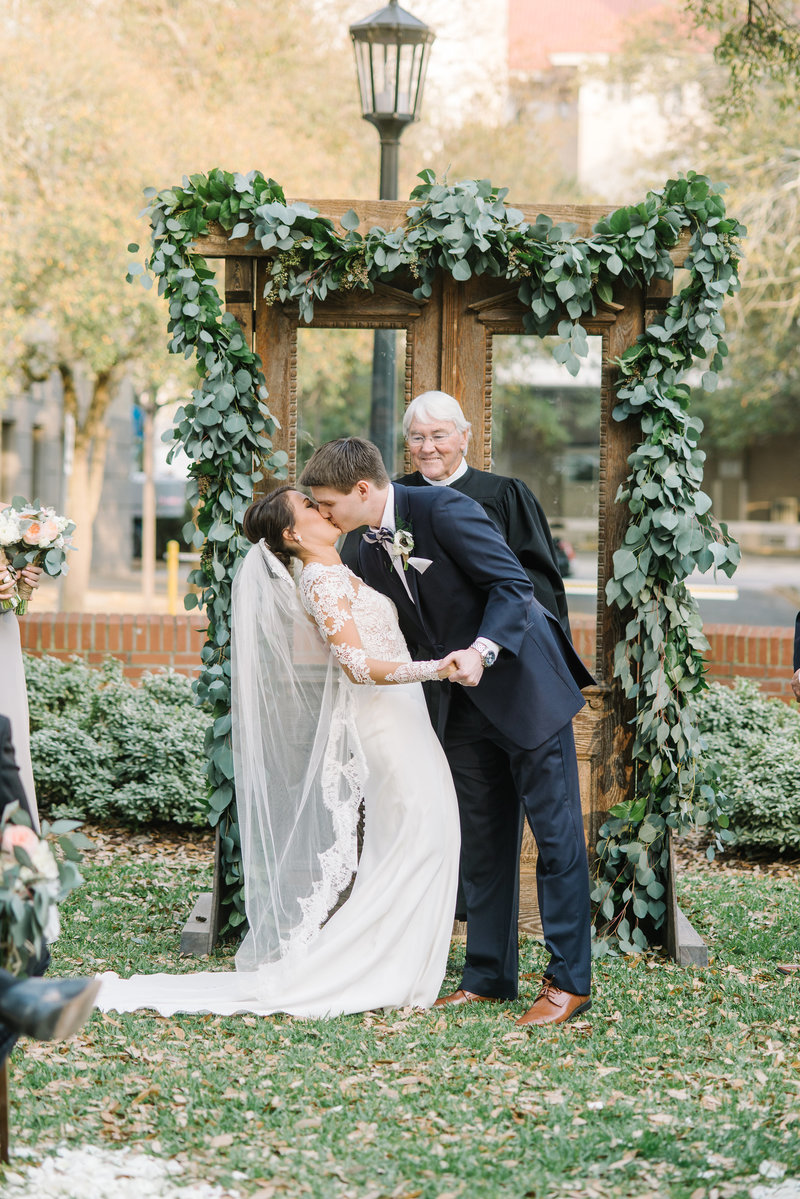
753 744
57 689
106 749
71 768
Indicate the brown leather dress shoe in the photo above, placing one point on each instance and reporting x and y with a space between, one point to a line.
553 1006
788 968
462 996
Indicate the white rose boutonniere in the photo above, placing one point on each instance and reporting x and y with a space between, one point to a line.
402 545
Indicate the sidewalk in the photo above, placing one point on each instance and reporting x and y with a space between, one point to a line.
116 596
764 591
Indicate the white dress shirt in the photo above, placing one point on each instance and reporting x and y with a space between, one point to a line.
388 521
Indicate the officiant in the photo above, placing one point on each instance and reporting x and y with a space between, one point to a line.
437 434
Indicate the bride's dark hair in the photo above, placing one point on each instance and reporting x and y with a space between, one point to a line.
268 518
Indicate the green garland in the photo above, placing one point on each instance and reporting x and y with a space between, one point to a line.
467 229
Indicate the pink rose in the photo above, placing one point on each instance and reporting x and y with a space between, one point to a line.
43 864
49 531
32 533
18 835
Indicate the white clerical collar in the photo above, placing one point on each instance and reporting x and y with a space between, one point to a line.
457 473
388 519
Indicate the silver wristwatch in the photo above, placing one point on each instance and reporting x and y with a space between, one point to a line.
487 652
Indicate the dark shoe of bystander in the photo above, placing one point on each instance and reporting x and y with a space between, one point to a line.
48 1009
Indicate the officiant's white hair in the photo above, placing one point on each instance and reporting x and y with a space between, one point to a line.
436 405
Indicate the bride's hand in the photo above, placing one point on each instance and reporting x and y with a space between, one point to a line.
31 575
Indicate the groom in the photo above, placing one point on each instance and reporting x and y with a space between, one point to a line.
461 594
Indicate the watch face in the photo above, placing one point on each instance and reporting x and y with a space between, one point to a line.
489 658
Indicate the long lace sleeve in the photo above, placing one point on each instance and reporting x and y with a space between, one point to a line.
329 595
415 672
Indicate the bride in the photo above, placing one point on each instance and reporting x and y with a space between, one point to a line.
316 728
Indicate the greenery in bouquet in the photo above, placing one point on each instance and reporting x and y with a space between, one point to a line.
34 879
33 535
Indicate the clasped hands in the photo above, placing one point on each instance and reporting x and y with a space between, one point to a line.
31 575
464 666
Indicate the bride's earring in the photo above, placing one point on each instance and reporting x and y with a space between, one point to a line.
297 538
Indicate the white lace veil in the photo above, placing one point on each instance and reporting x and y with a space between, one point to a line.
298 766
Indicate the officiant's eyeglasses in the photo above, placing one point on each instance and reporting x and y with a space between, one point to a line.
417 439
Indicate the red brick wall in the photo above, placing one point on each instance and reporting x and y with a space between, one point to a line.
760 652
583 638
147 642
141 642
757 652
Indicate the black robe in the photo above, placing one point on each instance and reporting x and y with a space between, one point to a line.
519 516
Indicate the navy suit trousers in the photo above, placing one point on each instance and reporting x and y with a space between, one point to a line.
493 776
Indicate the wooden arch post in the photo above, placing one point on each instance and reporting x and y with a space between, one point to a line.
449 339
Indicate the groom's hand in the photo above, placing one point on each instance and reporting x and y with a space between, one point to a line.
468 667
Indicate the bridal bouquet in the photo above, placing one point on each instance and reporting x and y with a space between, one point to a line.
31 535
33 882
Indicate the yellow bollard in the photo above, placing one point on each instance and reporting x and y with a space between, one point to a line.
173 548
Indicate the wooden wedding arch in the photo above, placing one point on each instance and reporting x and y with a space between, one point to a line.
449 340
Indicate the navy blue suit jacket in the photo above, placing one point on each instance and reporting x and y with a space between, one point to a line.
476 587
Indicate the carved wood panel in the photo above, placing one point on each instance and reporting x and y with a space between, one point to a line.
449 346
276 330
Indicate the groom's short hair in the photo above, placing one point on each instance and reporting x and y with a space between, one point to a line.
342 463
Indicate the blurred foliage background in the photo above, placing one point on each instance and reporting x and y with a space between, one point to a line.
102 98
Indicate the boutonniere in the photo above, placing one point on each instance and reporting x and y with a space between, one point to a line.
401 547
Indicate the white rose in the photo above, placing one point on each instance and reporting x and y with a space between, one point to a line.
10 527
52 926
44 863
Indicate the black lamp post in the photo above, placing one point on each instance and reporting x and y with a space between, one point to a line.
391 48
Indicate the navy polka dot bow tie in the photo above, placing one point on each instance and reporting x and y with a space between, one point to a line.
381 536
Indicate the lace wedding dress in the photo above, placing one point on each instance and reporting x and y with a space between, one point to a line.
387 945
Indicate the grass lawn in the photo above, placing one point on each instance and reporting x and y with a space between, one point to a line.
680 1082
